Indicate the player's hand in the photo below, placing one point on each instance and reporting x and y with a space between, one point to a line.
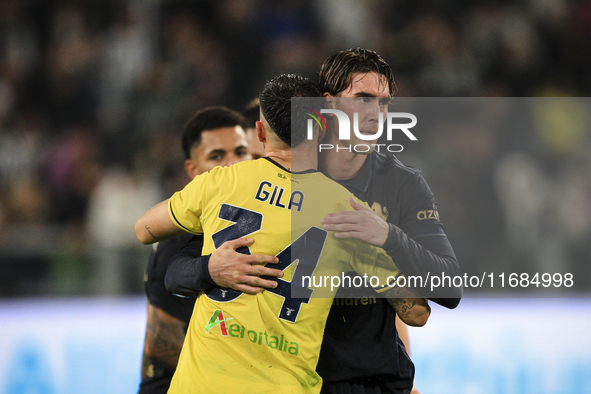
242 272
363 224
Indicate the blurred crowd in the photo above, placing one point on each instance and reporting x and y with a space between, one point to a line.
94 95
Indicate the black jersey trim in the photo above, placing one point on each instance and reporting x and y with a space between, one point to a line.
277 164
176 220
309 171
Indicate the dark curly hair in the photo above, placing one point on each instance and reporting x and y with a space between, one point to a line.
276 106
209 118
337 71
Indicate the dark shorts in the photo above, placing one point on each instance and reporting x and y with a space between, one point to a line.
156 386
158 383
374 385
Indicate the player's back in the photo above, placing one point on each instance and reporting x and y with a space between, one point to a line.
269 341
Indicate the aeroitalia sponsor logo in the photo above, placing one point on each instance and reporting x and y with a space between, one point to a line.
217 319
275 342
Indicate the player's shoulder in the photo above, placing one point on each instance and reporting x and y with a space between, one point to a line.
246 167
224 170
323 190
389 162
320 182
232 174
333 188
399 177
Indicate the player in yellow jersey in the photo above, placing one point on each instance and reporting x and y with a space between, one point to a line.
268 342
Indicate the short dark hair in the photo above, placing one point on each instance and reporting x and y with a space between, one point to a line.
208 118
252 113
275 101
336 73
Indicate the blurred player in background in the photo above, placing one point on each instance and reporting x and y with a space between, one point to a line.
213 137
225 350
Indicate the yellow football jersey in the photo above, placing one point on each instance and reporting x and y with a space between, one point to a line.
268 342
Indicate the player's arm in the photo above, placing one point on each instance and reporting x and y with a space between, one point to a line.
433 255
370 261
164 339
188 272
156 225
430 255
411 308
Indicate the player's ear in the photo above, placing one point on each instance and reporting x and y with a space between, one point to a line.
329 103
321 132
191 168
261 131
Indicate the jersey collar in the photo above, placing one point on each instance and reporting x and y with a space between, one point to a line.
277 164
310 171
361 180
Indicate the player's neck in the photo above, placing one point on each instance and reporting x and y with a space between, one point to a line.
340 162
341 165
280 156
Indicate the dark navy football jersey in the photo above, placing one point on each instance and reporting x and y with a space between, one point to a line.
361 345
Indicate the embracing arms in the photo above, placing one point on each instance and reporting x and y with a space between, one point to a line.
431 254
188 272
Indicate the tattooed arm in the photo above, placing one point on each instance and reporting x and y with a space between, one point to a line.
164 339
412 310
156 225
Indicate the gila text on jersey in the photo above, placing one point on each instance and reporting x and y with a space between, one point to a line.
274 195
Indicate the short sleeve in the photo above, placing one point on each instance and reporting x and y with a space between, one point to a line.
185 206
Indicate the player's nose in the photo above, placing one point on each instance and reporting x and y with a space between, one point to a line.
373 111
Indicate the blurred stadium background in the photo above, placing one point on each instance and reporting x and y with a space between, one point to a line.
93 96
